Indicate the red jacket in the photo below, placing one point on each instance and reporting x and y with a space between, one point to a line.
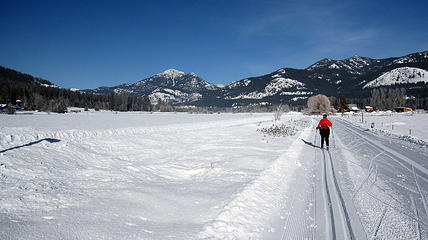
324 123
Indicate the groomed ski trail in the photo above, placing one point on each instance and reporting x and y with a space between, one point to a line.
336 217
389 183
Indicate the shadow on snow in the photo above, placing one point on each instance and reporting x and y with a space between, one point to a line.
309 143
50 140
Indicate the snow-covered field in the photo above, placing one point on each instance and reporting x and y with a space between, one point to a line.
126 175
106 175
410 125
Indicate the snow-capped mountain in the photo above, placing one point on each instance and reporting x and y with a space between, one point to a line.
403 75
172 85
355 65
275 85
353 77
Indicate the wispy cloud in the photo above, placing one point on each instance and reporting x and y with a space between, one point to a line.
263 25
289 18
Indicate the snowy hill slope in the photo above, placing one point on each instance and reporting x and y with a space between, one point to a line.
403 75
172 85
278 85
354 65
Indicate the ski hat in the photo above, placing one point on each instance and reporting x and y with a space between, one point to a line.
324 114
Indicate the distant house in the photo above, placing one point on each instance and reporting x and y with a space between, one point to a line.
16 107
19 103
368 109
8 108
353 108
3 107
402 109
343 110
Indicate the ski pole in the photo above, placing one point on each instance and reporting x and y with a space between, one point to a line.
315 136
334 142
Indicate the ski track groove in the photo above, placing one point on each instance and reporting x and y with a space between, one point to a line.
338 206
415 209
395 156
398 210
398 202
398 158
329 202
420 191
342 201
379 223
366 180
314 192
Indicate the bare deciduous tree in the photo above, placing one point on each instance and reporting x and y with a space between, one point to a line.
319 104
279 111
384 98
333 102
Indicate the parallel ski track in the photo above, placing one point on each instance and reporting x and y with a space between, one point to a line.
395 156
342 202
407 164
402 161
329 202
338 206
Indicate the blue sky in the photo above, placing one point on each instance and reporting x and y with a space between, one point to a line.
87 44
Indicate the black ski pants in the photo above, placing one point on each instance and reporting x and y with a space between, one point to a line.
325 134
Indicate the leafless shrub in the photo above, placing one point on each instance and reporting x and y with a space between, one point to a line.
279 130
319 104
280 109
289 128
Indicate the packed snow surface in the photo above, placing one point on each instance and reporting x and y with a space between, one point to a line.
107 175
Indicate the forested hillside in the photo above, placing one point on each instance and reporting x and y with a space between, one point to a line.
39 94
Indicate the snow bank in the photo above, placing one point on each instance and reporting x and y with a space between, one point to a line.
245 217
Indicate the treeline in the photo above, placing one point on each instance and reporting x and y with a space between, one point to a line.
53 99
389 98
380 98
254 108
42 95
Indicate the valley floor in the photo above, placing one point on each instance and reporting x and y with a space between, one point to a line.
185 176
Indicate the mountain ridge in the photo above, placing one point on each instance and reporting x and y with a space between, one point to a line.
171 84
353 77
285 85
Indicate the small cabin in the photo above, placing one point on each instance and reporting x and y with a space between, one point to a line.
353 108
343 110
3 107
369 109
16 107
402 109
19 103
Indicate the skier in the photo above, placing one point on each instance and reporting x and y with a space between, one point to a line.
324 127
